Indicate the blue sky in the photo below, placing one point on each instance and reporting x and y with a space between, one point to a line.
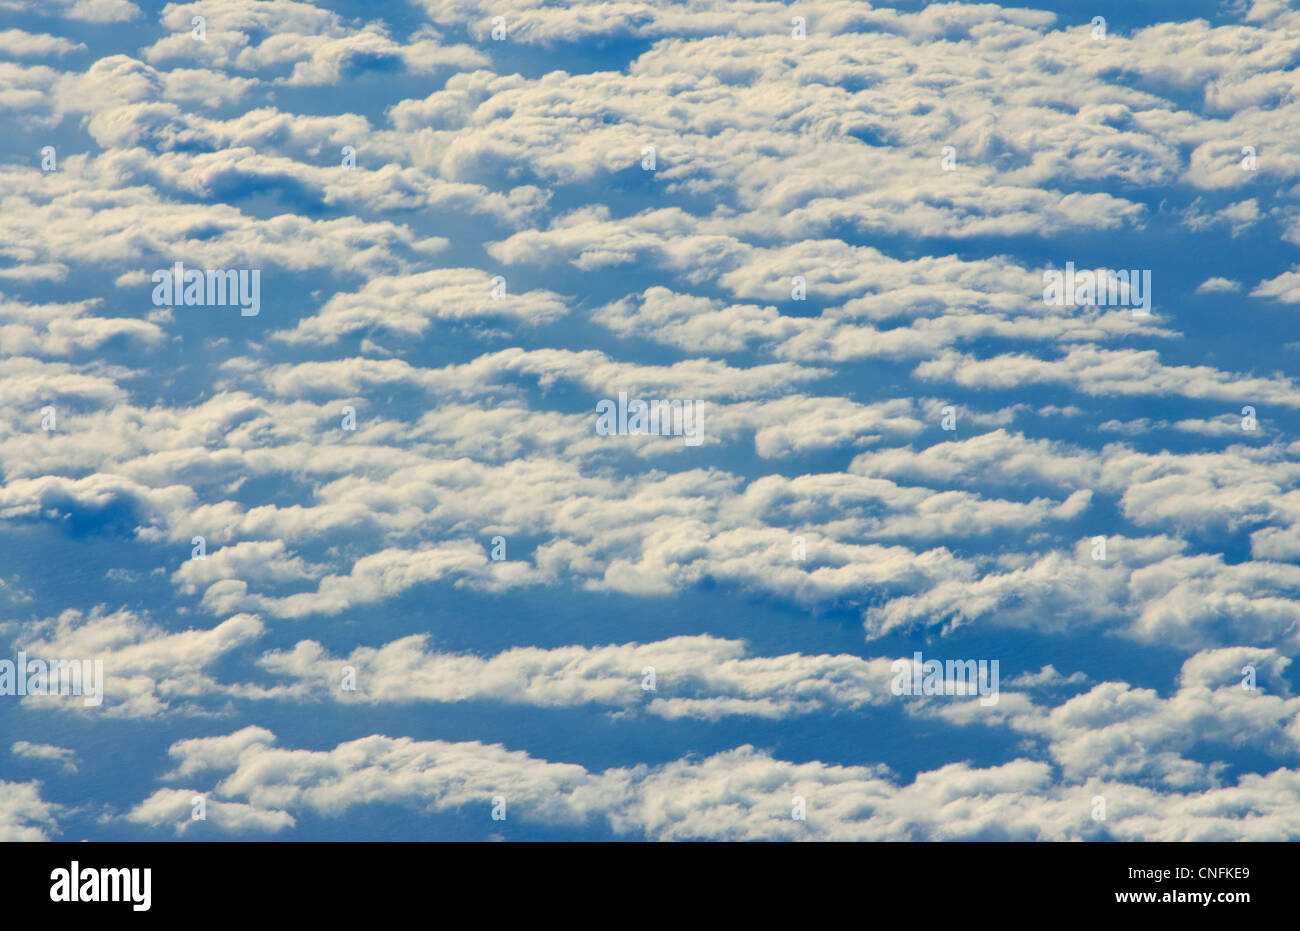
775 576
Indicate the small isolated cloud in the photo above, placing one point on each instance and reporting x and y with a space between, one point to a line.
1218 285
65 758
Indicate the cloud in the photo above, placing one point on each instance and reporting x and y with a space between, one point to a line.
1095 371
808 258
90 11
146 669
405 306
255 35
23 44
1217 285
175 808
697 677
63 757
24 815
739 794
1284 288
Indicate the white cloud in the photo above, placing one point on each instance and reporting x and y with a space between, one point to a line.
63 757
24 815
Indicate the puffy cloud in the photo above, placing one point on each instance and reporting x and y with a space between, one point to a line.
1216 285
1095 371
704 677
256 35
23 44
90 11
405 306
740 794
146 669
1285 287
24 815
175 808
825 484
